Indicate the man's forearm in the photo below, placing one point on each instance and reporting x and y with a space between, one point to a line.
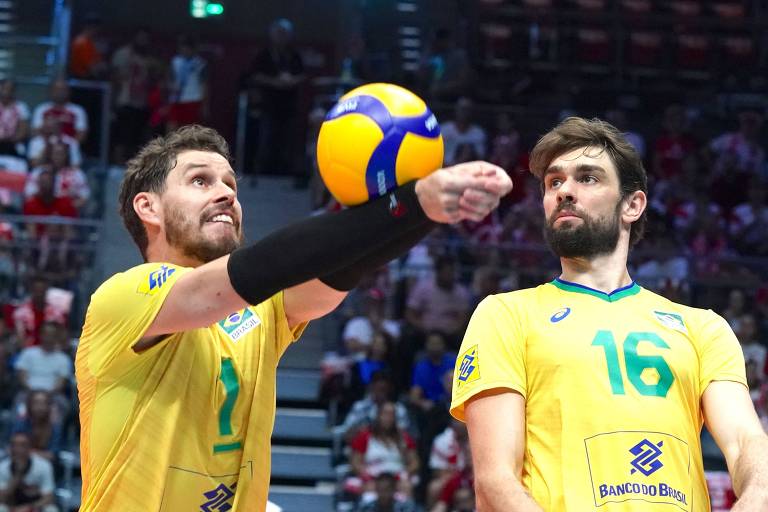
503 493
750 472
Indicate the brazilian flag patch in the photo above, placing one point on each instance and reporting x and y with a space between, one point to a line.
239 323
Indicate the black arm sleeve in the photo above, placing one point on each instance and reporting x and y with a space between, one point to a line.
348 277
323 245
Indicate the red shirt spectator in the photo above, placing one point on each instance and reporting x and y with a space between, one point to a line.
30 315
46 203
70 117
14 118
674 146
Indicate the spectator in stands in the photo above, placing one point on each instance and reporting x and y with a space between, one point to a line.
755 351
384 448
507 152
735 309
72 119
69 180
448 456
38 308
428 388
189 85
276 75
740 151
445 72
14 120
45 202
386 499
364 412
7 378
26 479
359 331
45 433
749 221
486 280
440 303
457 494
462 132
45 367
86 57
673 146
132 72
50 134
378 357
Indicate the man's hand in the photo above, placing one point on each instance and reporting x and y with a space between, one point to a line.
468 191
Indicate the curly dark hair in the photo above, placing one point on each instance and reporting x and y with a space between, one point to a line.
148 170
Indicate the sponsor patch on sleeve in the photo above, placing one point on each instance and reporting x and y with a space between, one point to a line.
469 370
152 283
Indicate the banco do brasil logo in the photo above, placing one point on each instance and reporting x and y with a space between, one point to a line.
646 458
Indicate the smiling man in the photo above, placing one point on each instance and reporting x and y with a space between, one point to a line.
589 392
177 361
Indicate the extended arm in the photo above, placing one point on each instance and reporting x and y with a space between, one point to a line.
496 425
733 422
321 246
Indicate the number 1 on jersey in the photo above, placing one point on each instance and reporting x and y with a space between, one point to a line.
635 363
232 389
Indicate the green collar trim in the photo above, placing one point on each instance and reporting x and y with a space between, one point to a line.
631 289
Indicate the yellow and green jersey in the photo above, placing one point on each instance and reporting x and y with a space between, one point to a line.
186 424
612 384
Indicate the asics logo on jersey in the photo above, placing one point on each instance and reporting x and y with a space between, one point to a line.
218 499
646 458
560 314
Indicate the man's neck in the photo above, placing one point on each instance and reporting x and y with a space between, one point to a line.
606 273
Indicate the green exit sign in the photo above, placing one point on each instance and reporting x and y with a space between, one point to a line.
204 8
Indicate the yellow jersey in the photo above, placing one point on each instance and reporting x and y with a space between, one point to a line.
185 424
612 385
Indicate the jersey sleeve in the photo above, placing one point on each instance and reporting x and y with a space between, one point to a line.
492 354
121 311
284 334
721 357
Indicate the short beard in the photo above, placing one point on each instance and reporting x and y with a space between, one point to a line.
591 238
182 234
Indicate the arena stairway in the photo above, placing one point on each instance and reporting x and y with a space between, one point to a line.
303 479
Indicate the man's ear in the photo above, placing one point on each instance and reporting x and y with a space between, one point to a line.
147 207
634 206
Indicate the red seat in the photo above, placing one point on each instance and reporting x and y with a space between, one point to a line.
593 45
738 51
693 51
644 48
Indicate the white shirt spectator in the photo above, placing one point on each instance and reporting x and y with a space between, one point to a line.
132 70
750 158
744 215
453 139
72 118
44 369
446 452
70 182
38 143
361 329
188 79
39 475
10 116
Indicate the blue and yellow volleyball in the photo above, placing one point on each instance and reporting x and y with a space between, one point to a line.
376 138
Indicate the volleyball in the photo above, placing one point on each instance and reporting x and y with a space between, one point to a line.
376 138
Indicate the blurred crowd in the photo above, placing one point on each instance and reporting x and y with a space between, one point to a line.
387 383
